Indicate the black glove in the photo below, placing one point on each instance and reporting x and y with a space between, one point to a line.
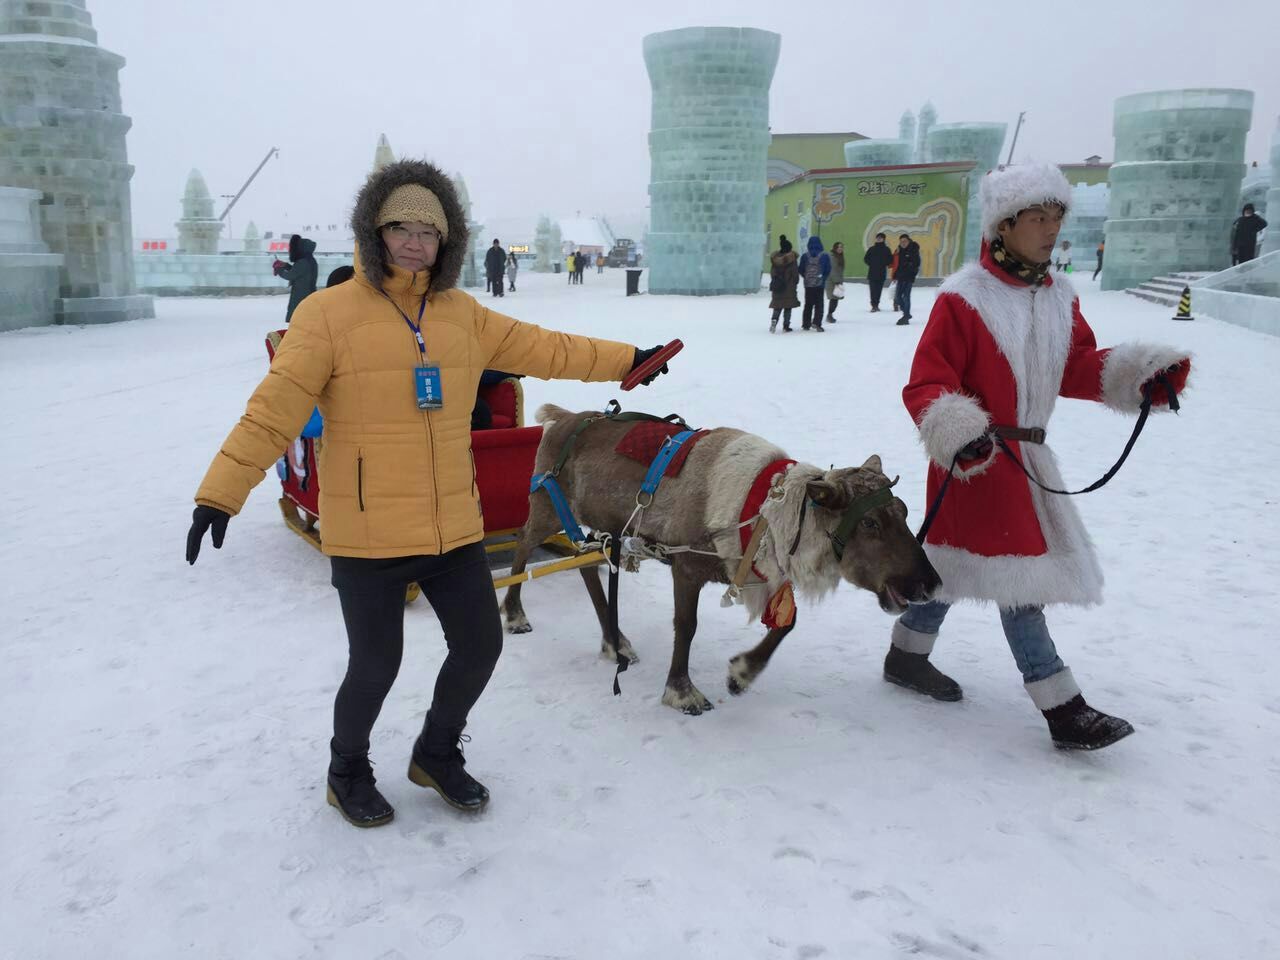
642 356
978 449
201 520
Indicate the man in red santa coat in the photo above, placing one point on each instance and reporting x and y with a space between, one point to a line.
1004 341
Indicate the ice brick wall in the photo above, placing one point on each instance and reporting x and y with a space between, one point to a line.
1084 224
1175 182
1271 242
877 153
981 143
62 132
708 146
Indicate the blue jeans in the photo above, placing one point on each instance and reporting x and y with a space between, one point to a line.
1024 628
904 295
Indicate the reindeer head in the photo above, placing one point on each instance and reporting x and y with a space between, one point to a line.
873 545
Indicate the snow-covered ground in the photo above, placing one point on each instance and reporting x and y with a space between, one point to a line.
165 728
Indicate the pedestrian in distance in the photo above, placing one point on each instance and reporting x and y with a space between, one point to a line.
835 280
301 271
878 258
784 278
393 358
513 267
815 267
495 264
905 273
1063 259
1102 247
1244 235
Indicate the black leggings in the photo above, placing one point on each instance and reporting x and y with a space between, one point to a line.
460 590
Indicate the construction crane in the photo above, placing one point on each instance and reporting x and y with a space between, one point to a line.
273 152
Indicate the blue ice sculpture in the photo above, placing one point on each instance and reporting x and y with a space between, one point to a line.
708 146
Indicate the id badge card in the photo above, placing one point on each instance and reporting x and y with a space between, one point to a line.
427 383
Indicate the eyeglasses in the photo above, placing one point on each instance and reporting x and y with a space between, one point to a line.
424 237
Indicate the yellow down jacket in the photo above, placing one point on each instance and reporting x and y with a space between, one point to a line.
394 480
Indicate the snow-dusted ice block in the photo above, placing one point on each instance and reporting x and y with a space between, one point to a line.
1175 182
981 143
708 147
1271 242
877 153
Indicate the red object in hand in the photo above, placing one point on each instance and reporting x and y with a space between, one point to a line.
1177 377
277 266
652 365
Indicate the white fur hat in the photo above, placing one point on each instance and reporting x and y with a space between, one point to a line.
1007 192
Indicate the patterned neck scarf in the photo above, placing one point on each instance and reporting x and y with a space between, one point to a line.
1031 274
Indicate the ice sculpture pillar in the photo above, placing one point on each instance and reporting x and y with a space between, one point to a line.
199 229
1175 182
1272 241
708 143
64 135
981 143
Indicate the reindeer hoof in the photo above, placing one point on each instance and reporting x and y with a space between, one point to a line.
608 653
741 674
688 700
519 624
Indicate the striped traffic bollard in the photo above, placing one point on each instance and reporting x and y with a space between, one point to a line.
1184 306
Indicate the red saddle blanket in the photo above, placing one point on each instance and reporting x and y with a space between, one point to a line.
643 441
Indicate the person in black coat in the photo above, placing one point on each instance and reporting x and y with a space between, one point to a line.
495 265
908 269
1244 235
878 258
301 271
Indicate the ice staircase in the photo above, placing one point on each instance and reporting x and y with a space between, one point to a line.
1167 290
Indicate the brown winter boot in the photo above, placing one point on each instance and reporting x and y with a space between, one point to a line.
438 763
1077 726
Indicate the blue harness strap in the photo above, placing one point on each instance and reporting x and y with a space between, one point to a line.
670 447
570 526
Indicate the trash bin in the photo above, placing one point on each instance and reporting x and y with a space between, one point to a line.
557 266
633 282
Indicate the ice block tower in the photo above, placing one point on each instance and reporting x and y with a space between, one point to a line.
877 153
1272 241
64 135
907 131
928 117
708 146
1175 182
981 143
198 230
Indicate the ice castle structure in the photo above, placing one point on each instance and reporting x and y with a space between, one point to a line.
62 133
928 117
199 229
708 145
979 142
907 130
1175 182
877 153
1271 242
1084 224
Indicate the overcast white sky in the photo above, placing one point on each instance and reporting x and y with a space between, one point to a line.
545 106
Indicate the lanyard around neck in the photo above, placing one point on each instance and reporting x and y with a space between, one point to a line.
415 327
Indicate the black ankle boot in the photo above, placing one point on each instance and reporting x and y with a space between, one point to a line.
352 789
438 763
1077 726
915 672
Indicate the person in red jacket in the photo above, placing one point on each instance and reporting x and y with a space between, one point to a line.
1004 341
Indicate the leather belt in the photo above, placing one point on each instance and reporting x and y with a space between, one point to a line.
1021 434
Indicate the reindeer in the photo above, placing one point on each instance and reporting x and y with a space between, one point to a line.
701 508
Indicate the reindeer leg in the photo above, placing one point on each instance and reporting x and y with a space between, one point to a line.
591 577
541 524
745 667
680 692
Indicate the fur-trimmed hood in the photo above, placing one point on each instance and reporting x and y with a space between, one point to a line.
364 222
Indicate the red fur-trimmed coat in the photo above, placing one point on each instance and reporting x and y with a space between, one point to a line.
999 351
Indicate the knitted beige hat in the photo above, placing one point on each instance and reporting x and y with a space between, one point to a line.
411 203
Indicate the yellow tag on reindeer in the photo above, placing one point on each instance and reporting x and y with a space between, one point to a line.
781 609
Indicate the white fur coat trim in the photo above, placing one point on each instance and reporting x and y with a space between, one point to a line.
1130 365
1007 192
949 422
1053 691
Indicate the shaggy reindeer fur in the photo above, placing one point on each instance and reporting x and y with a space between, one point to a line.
701 507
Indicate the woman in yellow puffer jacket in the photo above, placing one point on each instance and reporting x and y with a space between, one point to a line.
393 361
